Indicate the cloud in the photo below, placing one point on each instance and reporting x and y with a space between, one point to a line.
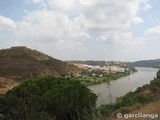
37 1
69 28
146 6
98 14
152 31
7 32
124 45
137 20
7 23
151 42
124 39
152 34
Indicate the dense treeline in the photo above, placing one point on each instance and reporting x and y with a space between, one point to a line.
48 98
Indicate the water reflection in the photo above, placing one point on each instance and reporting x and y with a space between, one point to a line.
123 85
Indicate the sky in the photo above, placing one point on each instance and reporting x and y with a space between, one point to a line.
125 30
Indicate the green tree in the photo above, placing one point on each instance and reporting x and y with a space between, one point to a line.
48 98
158 74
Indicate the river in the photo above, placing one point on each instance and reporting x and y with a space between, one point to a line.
123 85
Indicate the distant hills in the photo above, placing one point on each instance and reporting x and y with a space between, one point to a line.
146 63
142 63
19 63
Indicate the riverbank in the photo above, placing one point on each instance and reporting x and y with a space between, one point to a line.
123 85
96 72
132 101
94 80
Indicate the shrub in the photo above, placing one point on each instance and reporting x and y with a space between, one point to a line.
158 74
48 98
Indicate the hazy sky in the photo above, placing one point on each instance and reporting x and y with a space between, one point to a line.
126 30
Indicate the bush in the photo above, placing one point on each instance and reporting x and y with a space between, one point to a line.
158 74
48 98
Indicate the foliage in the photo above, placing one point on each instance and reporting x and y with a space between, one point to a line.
132 99
124 102
48 98
158 74
155 85
88 79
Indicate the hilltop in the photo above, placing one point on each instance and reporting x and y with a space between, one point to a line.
20 63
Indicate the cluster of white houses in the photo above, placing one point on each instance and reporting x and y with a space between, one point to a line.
112 68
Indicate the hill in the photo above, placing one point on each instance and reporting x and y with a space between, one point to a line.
6 84
146 63
19 63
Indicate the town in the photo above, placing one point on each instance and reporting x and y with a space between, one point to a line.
98 73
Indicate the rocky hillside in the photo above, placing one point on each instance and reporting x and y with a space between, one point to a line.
19 63
6 84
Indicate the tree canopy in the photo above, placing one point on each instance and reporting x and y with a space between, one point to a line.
158 74
48 98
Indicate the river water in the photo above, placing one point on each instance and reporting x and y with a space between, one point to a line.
123 85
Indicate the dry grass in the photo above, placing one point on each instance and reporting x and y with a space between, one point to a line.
20 63
6 84
152 108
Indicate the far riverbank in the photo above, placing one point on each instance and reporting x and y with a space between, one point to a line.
123 85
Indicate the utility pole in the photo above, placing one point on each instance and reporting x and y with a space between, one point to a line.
109 90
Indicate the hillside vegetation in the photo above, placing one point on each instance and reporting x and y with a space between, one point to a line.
96 72
19 63
48 98
132 102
